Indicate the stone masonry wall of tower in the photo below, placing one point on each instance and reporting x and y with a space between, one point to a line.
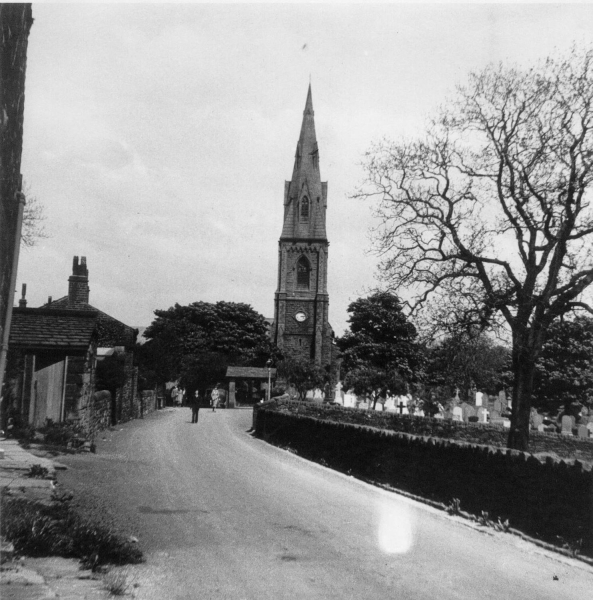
301 306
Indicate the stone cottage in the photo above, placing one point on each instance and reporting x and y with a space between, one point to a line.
113 338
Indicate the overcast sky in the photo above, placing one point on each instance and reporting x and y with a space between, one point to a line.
159 136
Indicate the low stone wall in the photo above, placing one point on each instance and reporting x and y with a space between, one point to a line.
473 433
549 500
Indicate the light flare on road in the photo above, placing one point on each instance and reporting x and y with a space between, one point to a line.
395 527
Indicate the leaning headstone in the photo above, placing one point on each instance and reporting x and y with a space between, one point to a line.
566 425
582 431
458 413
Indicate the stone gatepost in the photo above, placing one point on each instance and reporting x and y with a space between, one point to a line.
231 402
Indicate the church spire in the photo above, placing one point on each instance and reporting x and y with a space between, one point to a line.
305 195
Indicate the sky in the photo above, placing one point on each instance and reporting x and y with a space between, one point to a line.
158 136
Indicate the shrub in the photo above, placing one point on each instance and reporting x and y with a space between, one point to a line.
60 434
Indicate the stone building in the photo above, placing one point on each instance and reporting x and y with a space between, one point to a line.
301 326
113 337
52 366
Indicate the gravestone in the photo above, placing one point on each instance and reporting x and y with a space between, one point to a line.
495 414
402 405
541 428
464 407
566 424
338 393
439 416
497 406
479 397
482 414
470 411
582 431
458 413
537 420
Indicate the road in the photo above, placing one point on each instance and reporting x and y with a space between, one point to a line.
222 515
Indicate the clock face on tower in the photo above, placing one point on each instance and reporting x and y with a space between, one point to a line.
300 316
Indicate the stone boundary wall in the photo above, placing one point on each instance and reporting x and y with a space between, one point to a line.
548 500
476 433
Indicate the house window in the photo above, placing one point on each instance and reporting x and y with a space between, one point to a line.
305 209
303 273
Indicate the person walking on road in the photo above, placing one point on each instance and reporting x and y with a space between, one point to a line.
194 403
215 397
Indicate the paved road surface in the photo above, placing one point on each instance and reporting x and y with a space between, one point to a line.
222 515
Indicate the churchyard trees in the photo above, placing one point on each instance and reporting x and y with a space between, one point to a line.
564 371
488 216
380 353
468 360
302 375
198 342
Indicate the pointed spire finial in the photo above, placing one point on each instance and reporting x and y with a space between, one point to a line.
309 104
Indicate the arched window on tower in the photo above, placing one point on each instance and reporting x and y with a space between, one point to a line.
305 209
303 273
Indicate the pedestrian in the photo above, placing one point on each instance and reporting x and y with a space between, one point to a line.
173 394
194 404
180 396
215 397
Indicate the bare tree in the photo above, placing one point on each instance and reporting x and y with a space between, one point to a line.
489 216
33 217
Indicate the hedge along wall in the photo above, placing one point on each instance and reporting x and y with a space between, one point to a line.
550 501
474 433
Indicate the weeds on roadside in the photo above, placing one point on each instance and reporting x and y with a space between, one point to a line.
36 529
454 507
117 582
38 472
573 546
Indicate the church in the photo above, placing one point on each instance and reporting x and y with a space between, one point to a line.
301 327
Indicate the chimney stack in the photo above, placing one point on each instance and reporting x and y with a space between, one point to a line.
78 284
23 300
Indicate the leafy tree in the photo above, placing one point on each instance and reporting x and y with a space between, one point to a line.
465 360
489 216
380 353
198 342
302 374
564 371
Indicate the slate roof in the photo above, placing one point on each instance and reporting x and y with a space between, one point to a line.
249 373
50 329
111 331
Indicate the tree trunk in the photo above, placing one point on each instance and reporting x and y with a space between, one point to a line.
523 371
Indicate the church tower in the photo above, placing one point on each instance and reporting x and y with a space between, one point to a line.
301 305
